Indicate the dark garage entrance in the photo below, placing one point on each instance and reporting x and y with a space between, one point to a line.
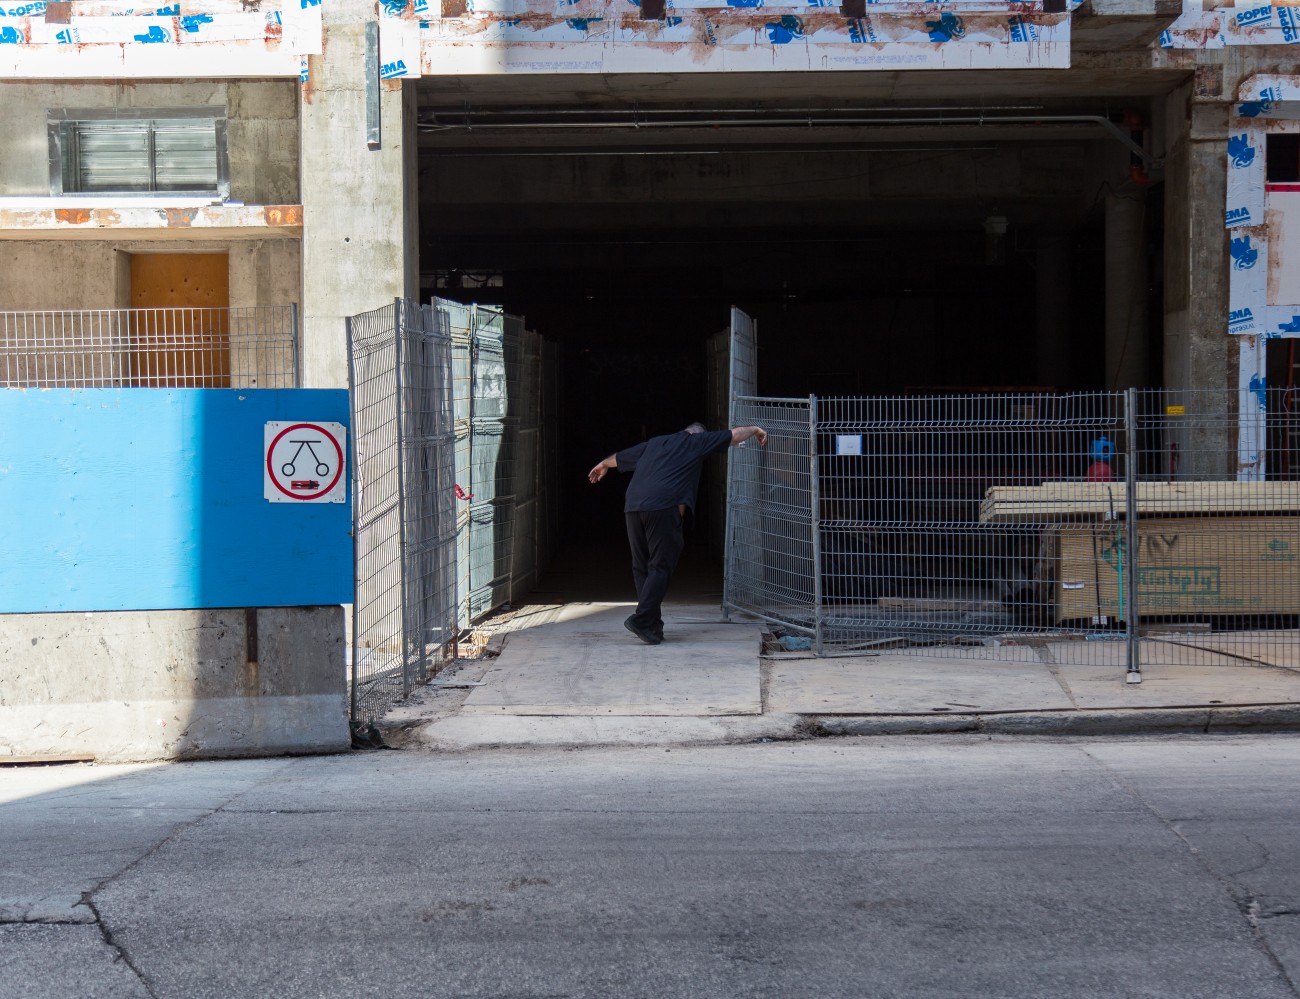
882 246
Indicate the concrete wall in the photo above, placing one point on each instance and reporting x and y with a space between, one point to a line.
63 274
359 251
154 685
262 130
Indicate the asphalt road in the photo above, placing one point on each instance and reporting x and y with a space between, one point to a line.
940 866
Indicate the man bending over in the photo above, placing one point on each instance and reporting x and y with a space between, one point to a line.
665 479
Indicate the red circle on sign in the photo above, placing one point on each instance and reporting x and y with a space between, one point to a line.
270 465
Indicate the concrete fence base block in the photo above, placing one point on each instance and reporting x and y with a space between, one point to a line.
169 730
182 684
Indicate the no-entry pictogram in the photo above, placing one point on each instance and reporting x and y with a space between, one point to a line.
304 462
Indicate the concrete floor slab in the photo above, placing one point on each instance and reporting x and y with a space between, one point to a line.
1200 678
578 659
1272 648
911 685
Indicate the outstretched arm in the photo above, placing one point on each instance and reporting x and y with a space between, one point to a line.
598 473
741 434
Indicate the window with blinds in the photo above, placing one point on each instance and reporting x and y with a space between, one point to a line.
155 152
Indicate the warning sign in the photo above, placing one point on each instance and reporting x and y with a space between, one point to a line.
304 463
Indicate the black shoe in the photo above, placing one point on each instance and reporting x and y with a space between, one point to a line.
649 637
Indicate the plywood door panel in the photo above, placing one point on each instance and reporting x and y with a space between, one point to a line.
181 335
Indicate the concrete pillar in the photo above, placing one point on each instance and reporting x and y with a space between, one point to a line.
1198 352
359 203
1052 293
1126 288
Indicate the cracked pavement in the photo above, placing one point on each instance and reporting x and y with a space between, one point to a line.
940 866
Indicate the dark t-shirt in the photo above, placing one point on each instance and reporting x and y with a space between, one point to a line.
668 468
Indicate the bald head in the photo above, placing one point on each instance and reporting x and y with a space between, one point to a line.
696 428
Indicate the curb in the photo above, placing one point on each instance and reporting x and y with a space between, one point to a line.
562 731
567 731
1123 721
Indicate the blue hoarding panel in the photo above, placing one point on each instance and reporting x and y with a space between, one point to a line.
148 499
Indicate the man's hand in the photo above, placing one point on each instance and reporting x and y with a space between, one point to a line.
741 434
598 473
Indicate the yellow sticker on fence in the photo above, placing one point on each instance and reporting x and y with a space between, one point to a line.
1175 411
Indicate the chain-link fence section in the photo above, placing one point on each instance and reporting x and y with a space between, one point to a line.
405 621
494 443
1106 528
1215 557
507 387
456 440
770 541
255 347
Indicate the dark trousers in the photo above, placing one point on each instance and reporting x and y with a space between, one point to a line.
655 537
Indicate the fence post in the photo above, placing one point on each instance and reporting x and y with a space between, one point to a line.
1134 615
356 511
727 546
814 490
401 494
297 354
418 354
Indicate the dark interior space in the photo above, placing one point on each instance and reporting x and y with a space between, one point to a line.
836 315
872 265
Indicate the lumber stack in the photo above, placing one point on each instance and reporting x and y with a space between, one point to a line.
1203 548
1073 501
1185 566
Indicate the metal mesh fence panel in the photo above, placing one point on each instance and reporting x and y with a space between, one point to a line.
253 347
1215 565
1112 529
506 386
405 621
428 483
712 513
449 515
457 320
491 465
911 557
770 556
378 656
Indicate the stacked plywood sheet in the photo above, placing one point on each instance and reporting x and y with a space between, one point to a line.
1213 566
1065 501
1203 548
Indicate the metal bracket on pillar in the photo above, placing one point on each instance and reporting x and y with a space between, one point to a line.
372 84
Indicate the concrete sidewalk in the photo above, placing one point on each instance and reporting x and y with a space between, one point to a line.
570 674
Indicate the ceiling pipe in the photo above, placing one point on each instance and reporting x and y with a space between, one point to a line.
490 151
980 120
468 111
